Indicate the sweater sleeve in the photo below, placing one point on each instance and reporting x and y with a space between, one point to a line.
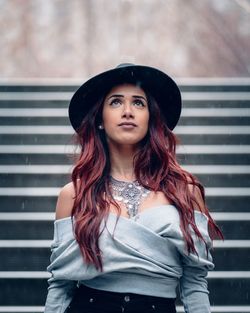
61 289
193 283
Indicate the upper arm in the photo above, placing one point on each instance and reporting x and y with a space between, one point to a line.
198 198
65 201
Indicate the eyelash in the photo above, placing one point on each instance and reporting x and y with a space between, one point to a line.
115 101
141 102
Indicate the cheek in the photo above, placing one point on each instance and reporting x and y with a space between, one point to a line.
145 121
107 117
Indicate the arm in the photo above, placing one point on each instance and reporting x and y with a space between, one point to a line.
193 283
193 289
60 291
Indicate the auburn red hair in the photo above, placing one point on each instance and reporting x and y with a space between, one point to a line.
155 167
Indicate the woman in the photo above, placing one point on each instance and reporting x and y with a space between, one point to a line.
132 224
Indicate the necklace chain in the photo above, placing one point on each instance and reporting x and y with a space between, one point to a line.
130 193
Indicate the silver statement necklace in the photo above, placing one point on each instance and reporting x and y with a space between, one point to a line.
130 193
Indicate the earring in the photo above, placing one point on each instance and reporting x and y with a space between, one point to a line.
100 127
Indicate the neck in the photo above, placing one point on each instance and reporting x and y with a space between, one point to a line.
121 159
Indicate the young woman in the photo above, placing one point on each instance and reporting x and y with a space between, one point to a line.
132 225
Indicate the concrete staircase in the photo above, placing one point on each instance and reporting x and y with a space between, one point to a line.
34 163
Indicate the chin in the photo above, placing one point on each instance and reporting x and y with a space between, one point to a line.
128 142
125 141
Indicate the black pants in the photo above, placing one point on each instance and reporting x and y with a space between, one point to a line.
89 300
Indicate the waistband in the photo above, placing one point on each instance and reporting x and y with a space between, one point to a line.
87 291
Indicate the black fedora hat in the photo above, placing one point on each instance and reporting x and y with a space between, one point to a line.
157 83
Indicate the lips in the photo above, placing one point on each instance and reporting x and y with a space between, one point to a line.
127 124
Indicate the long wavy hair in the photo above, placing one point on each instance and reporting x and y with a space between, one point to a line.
155 167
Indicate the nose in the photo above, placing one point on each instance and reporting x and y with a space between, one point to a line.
127 111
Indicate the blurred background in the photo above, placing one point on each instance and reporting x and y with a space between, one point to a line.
48 48
60 38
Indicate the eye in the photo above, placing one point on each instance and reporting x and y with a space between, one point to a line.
115 102
139 103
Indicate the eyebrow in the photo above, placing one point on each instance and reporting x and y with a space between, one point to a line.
134 96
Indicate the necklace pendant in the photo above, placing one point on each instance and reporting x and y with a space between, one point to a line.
130 193
132 210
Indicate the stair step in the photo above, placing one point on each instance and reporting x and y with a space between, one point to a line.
43 120
27 157
179 130
67 149
37 259
43 203
179 309
30 180
64 96
53 191
208 103
214 84
23 309
20 103
33 291
19 158
222 291
218 244
46 275
62 84
204 120
64 121
29 203
40 229
186 112
190 159
190 116
66 169
50 216
56 180
24 259
67 95
23 292
185 138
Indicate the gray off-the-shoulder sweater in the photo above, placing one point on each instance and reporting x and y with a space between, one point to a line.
148 250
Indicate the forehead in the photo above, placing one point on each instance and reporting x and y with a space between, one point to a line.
126 89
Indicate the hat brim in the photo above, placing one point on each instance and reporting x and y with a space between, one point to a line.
162 87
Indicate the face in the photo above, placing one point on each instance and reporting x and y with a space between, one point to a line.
125 115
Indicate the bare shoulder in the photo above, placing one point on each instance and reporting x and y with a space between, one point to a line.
65 201
198 197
